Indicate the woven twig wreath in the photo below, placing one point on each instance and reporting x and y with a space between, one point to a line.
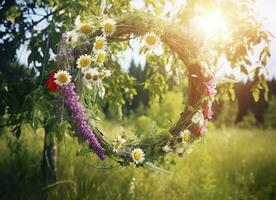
84 47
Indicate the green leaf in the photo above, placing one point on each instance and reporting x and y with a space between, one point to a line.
154 167
243 69
256 94
232 92
247 62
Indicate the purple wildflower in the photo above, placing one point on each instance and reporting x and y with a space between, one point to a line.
70 55
60 55
64 36
79 117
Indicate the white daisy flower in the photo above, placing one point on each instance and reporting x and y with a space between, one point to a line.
198 118
88 75
118 144
105 74
166 148
151 41
83 27
180 151
84 61
94 72
185 135
108 27
62 77
99 43
100 57
72 37
138 155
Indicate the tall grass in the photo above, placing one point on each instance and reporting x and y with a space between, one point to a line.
229 164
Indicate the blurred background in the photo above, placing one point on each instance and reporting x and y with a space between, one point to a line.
235 160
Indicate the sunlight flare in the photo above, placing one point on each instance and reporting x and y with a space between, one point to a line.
213 25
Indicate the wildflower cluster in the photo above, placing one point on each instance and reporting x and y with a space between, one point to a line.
81 61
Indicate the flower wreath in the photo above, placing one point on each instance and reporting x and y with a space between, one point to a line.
72 73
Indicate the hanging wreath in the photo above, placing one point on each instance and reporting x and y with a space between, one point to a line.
81 64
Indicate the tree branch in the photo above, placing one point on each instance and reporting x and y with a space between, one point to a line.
46 17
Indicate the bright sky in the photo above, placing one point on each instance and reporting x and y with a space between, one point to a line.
266 11
265 8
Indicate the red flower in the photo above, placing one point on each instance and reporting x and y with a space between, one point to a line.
200 130
51 82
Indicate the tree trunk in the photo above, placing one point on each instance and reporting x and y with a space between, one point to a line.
49 162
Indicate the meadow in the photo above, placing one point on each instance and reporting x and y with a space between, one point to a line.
229 163
151 76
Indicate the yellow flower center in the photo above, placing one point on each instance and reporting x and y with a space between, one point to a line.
137 155
108 28
99 44
84 62
95 77
118 145
86 29
69 38
88 76
151 40
62 78
186 137
100 58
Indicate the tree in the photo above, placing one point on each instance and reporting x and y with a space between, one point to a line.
142 97
184 32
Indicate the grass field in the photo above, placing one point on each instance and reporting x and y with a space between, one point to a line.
229 164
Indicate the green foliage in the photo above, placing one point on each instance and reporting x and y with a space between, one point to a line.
24 98
144 126
166 111
159 116
270 114
142 96
119 89
230 164
156 84
227 113
41 36
249 121
261 84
